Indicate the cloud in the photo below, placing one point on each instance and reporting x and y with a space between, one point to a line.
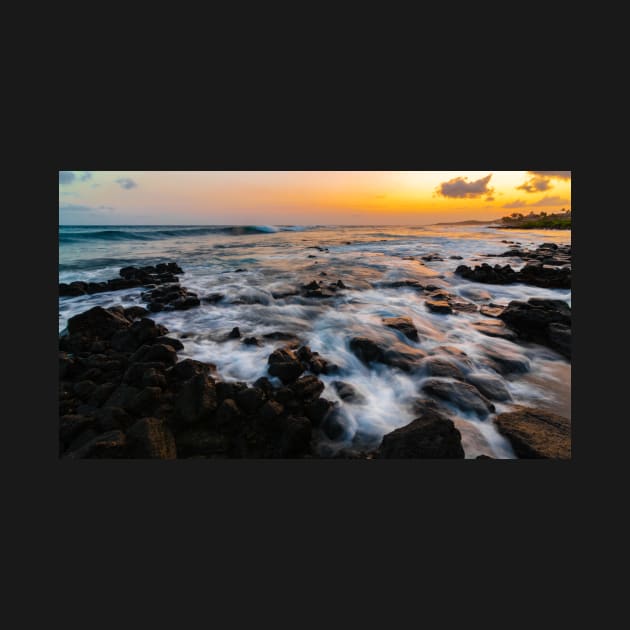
66 177
541 180
69 177
535 184
73 207
558 174
459 187
126 183
547 200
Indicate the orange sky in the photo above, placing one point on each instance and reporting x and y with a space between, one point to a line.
305 197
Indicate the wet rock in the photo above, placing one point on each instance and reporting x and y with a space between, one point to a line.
403 325
438 306
151 438
506 362
249 400
97 322
83 389
456 257
432 435
186 369
534 274
235 333
251 341
307 388
155 352
462 395
491 310
431 257
348 393
213 298
317 410
332 425
492 387
101 393
494 328
534 433
113 418
228 416
534 320
296 440
367 350
176 344
122 397
284 364
196 400
135 312
559 338
440 366
145 401
472 293
110 445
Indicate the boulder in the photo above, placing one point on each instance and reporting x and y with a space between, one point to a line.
463 395
196 400
492 387
97 322
431 435
403 325
506 362
440 366
348 392
534 433
438 306
284 364
151 438
110 445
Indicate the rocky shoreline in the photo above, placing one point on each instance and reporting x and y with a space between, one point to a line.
125 394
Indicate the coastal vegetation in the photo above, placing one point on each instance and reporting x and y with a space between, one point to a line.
557 221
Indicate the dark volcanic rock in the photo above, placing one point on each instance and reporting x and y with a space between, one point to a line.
438 306
534 274
492 387
250 399
284 364
506 362
307 388
494 328
432 435
347 392
235 333
367 350
534 433
196 400
97 322
296 440
543 321
404 325
110 445
186 369
155 352
317 410
439 366
151 438
462 395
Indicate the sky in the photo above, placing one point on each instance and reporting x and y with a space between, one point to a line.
305 197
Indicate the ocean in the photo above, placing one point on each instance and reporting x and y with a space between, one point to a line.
252 267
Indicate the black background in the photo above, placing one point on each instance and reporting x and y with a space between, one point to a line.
325 542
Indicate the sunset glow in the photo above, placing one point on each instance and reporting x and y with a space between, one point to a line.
305 197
